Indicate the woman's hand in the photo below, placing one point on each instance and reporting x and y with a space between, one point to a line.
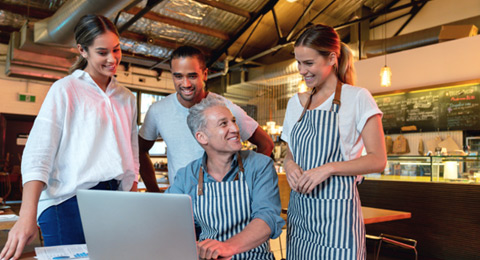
292 170
311 178
23 233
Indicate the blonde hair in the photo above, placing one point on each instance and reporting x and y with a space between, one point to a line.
87 29
325 40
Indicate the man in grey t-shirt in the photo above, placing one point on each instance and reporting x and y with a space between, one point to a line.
167 118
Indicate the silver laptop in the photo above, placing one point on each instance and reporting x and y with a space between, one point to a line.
131 225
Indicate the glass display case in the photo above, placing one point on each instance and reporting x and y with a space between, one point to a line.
458 169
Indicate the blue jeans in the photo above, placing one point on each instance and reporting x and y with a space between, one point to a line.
61 224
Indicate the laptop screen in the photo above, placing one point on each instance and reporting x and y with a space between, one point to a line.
134 225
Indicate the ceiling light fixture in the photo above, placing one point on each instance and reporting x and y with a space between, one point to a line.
385 72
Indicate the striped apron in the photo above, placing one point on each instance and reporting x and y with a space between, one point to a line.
326 223
222 209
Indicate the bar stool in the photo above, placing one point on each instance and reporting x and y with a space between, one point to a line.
402 242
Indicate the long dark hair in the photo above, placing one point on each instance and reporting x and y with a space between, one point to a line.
87 29
325 40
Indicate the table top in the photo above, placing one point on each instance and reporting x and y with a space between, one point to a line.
6 225
376 215
28 256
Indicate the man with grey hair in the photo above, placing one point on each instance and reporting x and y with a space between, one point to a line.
234 193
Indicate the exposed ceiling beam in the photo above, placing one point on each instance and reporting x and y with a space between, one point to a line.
266 8
180 24
24 10
226 7
290 34
372 16
389 20
414 12
313 19
277 25
147 39
143 60
248 38
321 11
156 41
150 4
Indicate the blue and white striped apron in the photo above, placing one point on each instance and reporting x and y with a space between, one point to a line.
326 223
222 209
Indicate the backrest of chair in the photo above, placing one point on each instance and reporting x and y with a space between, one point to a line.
5 186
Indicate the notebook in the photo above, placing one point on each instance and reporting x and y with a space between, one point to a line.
133 225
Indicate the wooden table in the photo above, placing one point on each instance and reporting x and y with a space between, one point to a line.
28 256
6 225
376 215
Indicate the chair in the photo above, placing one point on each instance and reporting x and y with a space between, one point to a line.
284 190
402 242
5 187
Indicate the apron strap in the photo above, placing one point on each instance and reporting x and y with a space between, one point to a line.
200 174
314 90
200 181
336 98
338 93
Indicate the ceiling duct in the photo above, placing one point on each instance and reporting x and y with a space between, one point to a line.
58 28
45 49
411 40
30 60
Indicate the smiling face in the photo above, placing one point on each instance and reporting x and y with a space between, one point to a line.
103 56
314 67
189 79
221 133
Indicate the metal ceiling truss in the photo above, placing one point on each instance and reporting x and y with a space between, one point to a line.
140 14
290 34
375 15
248 38
226 7
313 19
413 12
29 12
265 9
181 24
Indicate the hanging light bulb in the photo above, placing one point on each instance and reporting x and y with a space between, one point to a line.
302 87
386 76
385 71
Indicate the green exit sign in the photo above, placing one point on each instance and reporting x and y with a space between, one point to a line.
26 97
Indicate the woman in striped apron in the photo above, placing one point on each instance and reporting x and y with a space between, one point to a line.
326 131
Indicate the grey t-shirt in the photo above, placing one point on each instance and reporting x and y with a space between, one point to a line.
167 118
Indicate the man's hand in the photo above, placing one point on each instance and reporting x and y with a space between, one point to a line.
213 249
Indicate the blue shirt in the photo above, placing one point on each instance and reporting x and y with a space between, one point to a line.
262 182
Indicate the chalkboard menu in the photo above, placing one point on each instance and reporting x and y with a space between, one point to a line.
449 108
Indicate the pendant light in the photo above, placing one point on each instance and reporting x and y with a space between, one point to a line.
385 72
302 87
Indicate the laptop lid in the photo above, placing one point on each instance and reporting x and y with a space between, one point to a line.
133 225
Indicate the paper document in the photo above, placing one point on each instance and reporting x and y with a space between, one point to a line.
62 252
8 217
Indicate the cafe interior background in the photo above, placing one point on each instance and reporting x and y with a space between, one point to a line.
431 103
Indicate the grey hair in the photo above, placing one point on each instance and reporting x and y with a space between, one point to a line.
196 118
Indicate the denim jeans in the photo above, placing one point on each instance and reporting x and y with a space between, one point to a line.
61 224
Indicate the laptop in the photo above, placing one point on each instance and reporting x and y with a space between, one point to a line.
132 225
